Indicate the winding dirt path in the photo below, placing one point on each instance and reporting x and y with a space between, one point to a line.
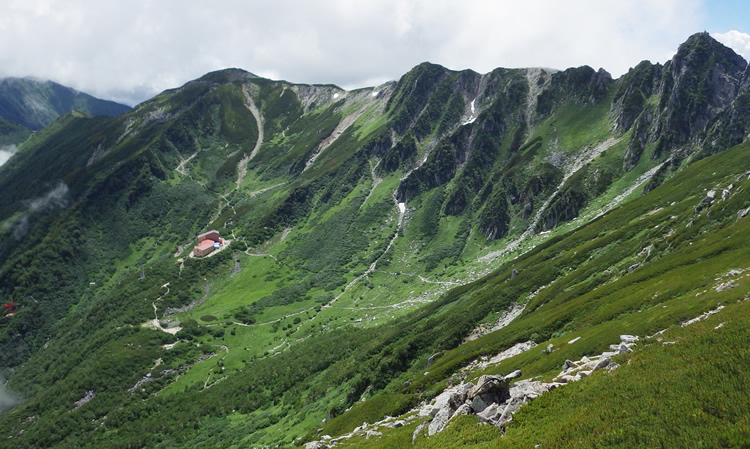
155 324
401 207
181 168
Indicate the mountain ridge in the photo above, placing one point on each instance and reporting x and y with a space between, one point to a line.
367 234
35 103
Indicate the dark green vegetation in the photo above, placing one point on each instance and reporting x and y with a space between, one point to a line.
34 104
368 234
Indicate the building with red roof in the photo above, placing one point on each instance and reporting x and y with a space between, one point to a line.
207 243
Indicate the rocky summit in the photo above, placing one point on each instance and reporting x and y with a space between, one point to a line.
521 258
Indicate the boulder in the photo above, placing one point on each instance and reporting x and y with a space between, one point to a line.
316 445
530 389
482 401
440 421
451 397
510 408
603 362
513 375
419 430
627 339
464 409
490 389
491 414
488 384
567 378
567 365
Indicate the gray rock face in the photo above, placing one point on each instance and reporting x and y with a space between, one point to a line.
464 409
451 398
419 430
624 349
487 384
489 390
513 375
481 402
440 420
490 414
627 339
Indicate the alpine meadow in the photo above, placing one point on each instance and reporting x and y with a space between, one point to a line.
523 258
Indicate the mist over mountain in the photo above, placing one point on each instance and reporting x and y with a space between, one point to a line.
518 258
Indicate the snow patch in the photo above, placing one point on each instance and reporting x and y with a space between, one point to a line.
402 208
473 115
375 93
335 96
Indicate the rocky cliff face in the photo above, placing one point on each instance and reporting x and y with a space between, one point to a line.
687 108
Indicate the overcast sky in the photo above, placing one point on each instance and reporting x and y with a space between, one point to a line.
130 50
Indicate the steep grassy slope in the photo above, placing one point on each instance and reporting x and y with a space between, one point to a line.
12 133
367 232
689 393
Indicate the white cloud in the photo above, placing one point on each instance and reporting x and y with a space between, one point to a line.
4 155
131 50
737 41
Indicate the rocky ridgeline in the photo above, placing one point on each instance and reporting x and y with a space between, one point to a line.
492 399
366 430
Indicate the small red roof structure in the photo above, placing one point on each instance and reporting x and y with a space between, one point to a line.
204 248
10 308
210 235
207 242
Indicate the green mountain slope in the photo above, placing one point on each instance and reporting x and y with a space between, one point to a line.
380 245
35 104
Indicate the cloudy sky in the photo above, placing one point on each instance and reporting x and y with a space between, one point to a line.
129 50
